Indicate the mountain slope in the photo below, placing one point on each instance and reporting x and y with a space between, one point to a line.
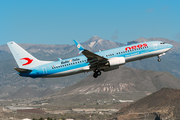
164 101
121 84
96 43
124 79
27 92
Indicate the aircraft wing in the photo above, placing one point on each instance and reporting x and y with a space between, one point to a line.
93 59
91 55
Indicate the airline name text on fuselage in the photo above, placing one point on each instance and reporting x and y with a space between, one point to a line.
65 62
134 46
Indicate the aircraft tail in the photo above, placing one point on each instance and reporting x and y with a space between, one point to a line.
23 58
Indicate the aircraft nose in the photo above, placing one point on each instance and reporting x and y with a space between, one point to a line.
170 46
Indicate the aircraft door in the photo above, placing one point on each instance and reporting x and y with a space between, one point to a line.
155 46
44 70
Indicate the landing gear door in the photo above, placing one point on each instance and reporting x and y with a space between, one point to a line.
44 70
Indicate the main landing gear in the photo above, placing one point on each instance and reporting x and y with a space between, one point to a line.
96 73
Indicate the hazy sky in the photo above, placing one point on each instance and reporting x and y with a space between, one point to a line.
61 21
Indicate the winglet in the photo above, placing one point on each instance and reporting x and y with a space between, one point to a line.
79 46
59 59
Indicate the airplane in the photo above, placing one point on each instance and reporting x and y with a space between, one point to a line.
107 60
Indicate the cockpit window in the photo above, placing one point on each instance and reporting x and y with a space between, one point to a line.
162 43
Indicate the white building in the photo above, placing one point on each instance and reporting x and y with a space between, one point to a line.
122 101
18 108
26 119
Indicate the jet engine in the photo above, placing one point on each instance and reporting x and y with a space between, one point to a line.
116 61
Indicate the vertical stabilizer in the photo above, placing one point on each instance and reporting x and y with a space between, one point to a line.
23 58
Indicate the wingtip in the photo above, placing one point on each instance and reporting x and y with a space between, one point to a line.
75 42
79 46
11 42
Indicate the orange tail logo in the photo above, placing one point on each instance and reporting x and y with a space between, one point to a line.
29 61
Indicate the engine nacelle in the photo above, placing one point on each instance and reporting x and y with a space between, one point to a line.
116 61
86 68
110 68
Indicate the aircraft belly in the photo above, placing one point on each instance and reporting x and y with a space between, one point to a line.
69 72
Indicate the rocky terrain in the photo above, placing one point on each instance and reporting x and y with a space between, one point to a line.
122 84
124 79
27 92
165 102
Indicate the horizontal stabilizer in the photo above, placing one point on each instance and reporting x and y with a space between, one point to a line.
22 70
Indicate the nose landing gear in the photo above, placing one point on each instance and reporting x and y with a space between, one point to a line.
96 73
159 59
